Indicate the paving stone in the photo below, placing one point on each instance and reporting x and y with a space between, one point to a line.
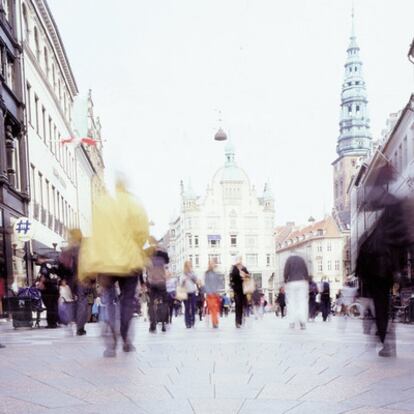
263 367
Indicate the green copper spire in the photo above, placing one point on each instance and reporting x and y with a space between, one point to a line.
355 136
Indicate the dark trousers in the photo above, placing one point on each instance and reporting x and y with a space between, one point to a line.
382 306
325 308
282 310
239 300
312 308
170 306
50 300
190 310
127 286
156 293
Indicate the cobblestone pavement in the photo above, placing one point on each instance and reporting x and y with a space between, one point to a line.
262 368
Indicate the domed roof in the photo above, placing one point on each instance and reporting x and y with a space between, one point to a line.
220 135
230 171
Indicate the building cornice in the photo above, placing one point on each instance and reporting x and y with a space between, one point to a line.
46 82
52 29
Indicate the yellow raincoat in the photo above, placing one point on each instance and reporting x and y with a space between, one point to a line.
120 229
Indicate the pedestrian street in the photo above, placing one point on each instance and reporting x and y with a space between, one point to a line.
263 367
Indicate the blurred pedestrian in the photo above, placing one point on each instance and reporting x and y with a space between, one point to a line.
68 270
114 253
325 300
313 292
171 290
212 287
281 301
237 275
226 303
189 282
157 285
48 282
297 290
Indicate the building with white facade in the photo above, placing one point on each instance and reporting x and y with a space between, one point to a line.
230 220
320 243
50 91
62 176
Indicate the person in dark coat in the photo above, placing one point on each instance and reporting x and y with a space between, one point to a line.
313 292
325 300
236 283
49 291
281 301
157 285
377 261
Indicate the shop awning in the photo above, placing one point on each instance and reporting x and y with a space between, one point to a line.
215 237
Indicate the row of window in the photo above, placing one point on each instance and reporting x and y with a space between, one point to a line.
319 247
400 158
47 63
50 201
329 265
46 129
251 259
215 242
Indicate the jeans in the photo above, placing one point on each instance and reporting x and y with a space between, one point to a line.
190 310
127 286
82 305
297 296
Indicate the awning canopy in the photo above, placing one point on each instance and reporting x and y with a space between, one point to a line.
215 237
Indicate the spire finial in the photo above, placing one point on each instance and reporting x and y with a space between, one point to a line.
353 19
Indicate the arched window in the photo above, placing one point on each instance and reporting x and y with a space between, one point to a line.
46 61
37 46
53 76
26 24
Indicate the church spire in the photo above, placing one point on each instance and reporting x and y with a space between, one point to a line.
355 136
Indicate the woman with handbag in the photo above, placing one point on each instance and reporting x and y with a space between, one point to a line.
239 276
189 283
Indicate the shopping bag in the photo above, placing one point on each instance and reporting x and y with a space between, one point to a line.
181 293
248 285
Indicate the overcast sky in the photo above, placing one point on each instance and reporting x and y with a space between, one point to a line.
161 70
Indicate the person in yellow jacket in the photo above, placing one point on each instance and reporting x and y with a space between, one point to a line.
114 253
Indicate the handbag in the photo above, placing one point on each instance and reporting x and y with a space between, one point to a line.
248 285
181 293
66 311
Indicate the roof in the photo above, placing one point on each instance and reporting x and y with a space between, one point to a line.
326 228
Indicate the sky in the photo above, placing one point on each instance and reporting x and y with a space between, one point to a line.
166 74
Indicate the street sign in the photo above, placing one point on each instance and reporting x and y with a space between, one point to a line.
24 229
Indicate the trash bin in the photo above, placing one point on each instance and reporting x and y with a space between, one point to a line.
21 311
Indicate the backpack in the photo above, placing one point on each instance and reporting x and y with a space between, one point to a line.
156 275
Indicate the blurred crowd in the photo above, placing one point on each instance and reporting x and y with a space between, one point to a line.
121 271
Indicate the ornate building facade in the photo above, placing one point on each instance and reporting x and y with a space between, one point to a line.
229 221
14 186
